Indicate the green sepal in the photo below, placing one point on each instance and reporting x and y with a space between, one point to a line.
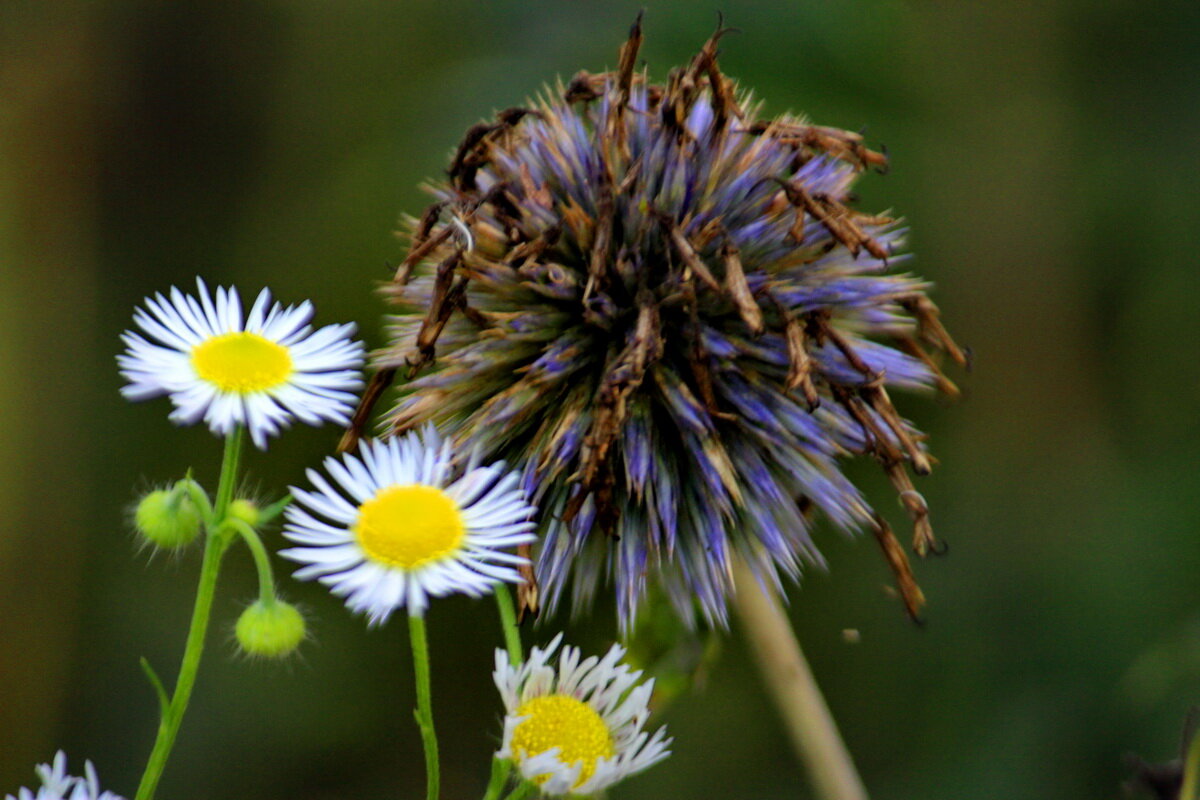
152 676
524 789
501 769
274 510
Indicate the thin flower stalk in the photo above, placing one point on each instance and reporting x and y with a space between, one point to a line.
215 544
810 724
424 712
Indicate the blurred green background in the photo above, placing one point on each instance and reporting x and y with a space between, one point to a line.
1045 155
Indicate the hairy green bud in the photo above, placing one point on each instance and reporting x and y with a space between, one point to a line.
167 518
245 510
271 630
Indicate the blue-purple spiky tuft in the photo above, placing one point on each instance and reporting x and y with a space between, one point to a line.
668 315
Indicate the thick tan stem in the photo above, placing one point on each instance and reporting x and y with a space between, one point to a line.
792 686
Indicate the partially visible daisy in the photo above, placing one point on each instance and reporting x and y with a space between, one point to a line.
577 729
414 526
58 785
260 371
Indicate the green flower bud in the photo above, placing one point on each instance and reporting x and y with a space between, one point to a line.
246 511
273 630
167 518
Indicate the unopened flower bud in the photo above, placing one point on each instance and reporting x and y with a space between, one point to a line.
167 518
246 511
271 630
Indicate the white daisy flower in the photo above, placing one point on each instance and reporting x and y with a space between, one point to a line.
58 785
577 729
414 526
261 371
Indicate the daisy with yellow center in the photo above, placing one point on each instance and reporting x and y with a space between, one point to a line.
58 785
261 371
576 729
406 524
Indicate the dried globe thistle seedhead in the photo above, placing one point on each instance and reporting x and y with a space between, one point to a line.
668 314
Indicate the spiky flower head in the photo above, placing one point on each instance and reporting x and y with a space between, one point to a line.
668 314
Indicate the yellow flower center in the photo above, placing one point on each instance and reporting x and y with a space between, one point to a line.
407 526
242 362
573 726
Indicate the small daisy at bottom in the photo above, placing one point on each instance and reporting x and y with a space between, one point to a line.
58 785
576 729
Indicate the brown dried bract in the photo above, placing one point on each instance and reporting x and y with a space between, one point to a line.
822 329
687 252
897 559
378 384
697 354
528 593
800 364
446 293
835 216
930 328
472 151
912 348
602 243
881 445
704 66
615 128
585 87
422 246
739 289
810 140
879 400
924 541
622 377
532 250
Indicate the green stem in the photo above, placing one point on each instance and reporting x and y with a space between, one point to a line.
214 548
1191 772
523 790
262 561
501 767
199 498
424 713
168 727
508 621
229 468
